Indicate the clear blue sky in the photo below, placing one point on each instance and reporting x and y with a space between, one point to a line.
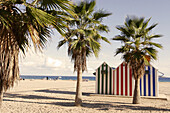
56 62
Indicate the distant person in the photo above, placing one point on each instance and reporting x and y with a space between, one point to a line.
57 78
47 78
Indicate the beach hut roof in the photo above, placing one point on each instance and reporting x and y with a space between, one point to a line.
107 64
125 62
117 66
102 64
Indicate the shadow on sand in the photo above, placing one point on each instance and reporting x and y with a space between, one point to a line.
8 95
61 92
99 105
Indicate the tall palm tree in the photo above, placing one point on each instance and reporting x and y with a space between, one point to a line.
83 38
20 24
137 47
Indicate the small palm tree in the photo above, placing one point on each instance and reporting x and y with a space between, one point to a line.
137 48
83 38
21 25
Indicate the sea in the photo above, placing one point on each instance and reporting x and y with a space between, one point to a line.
91 78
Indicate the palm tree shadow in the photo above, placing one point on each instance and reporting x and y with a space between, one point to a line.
144 108
68 104
61 92
119 106
8 95
56 91
99 105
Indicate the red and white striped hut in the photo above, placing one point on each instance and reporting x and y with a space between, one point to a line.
120 81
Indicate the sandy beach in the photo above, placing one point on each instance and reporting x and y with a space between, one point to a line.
49 96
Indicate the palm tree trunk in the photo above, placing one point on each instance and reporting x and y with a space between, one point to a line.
1 95
78 99
136 96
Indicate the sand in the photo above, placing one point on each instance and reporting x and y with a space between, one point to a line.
49 96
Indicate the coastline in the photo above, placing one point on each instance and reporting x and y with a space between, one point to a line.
89 78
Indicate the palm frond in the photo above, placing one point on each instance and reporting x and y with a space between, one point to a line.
54 4
156 45
40 16
105 39
124 31
122 50
152 52
100 14
145 24
120 38
95 46
153 36
90 7
135 36
61 43
102 28
151 27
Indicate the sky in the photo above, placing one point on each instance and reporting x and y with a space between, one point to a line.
54 62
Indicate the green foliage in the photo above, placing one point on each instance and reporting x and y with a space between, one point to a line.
25 23
137 41
83 33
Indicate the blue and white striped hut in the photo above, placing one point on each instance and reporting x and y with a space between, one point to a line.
149 82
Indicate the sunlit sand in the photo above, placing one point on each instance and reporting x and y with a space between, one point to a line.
49 96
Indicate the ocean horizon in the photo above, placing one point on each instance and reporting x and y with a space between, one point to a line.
91 78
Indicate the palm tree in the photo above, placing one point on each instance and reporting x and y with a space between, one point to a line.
20 24
137 47
83 38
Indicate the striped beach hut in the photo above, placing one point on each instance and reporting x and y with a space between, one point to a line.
120 81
